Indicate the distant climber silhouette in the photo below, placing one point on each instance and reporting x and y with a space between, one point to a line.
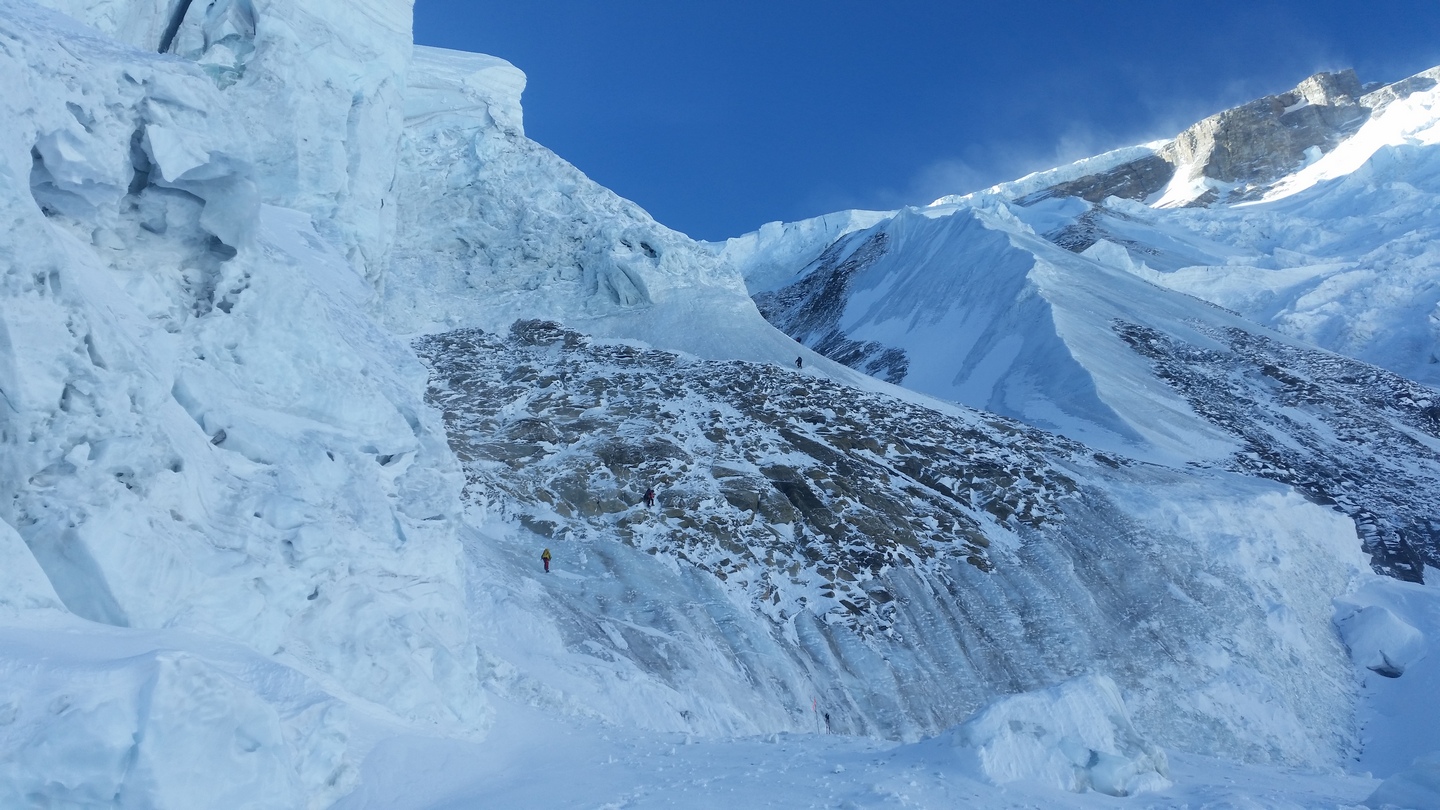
799 362
649 497
545 558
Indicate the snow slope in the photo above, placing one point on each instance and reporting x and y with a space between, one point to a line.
1341 254
990 315
1016 300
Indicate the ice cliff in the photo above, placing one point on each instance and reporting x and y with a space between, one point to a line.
203 433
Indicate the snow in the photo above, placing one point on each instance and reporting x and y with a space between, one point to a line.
98 716
1393 632
203 430
534 760
1041 180
990 315
247 567
449 79
1339 254
1075 736
1408 121
778 252
1417 786
1379 641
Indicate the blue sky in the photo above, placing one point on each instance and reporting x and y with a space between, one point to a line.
720 116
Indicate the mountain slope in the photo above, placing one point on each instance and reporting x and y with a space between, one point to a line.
984 300
284 433
903 564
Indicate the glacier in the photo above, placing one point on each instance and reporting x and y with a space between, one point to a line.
306 352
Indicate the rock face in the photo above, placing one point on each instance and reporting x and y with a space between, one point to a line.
1242 151
1341 432
906 564
810 311
786 483
1134 180
1267 138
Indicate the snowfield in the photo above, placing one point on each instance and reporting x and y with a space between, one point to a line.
307 352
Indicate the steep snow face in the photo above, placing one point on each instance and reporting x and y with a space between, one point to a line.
769 257
896 564
965 303
1334 245
1343 254
494 227
200 430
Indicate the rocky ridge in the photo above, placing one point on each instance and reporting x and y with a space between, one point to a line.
1237 154
1344 433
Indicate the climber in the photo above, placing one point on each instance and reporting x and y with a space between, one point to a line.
649 497
545 558
799 362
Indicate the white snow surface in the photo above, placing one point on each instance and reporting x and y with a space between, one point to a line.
1342 254
1075 736
314 90
993 316
494 227
239 572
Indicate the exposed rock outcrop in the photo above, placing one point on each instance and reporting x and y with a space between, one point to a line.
1237 154
810 310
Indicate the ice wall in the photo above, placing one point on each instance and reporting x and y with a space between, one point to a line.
200 429
493 227
315 91
143 24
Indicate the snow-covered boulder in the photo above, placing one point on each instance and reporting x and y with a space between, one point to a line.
1379 640
1075 736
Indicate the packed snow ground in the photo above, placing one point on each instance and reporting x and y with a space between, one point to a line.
533 761
536 759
